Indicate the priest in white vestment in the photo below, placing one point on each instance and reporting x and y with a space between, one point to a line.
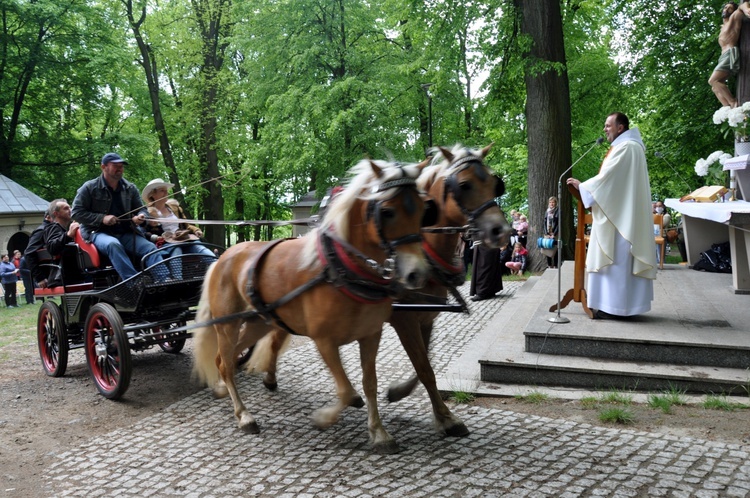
621 256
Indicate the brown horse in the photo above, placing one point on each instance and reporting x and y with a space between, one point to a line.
334 285
465 191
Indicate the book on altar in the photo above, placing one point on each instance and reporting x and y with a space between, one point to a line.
709 193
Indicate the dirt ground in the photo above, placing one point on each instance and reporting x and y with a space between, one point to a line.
40 414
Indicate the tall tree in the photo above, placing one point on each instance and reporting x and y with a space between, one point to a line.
547 109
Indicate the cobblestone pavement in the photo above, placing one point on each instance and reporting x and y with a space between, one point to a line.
194 448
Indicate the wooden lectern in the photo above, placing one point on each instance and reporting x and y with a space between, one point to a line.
578 292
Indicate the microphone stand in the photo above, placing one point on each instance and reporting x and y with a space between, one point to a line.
557 318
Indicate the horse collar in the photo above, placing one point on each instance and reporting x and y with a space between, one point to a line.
344 274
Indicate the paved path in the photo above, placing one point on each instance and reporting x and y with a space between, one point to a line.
193 448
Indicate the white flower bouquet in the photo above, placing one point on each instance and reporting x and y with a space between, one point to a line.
735 119
713 164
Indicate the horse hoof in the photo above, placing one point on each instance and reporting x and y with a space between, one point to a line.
396 393
220 393
251 428
386 448
271 386
458 430
357 402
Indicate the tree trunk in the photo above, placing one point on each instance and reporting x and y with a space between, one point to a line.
148 62
548 121
213 27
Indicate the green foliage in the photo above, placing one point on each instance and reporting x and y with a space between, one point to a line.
716 402
617 415
662 403
305 88
533 397
462 397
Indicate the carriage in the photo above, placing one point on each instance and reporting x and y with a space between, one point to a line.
109 317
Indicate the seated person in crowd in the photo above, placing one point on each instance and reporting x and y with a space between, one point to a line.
109 209
523 229
39 273
660 209
170 231
58 234
517 263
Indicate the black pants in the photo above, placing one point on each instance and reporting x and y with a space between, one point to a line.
10 294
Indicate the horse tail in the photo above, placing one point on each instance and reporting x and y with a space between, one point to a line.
205 340
267 350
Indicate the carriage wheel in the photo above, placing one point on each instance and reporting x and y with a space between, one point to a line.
173 346
107 351
52 339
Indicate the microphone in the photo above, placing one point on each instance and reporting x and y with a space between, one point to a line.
659 154
595 143
598 141
558 318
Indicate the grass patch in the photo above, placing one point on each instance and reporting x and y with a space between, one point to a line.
616 398
590 402
660 402
668 399
462 397
532 398
617 415
722 403
17 327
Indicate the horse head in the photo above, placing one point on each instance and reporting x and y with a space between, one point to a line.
379 214
466 190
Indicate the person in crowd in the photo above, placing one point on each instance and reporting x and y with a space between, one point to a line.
518 259
168 232
660 209
17 261
732 16
39 273
523 229
621 257
486 273
28 284
109 210
9 278
58 234
515 217
506 254
551 222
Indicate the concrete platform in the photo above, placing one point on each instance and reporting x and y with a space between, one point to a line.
695 339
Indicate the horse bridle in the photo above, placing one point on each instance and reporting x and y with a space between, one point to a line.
374 211
452 186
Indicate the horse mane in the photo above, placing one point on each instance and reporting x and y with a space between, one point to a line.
440 167
360 185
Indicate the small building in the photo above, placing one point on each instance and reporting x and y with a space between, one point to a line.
302 210
21 211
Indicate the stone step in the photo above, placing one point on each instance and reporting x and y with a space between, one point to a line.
692 345
589 373
695 339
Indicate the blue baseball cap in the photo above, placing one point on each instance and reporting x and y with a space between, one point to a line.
111 157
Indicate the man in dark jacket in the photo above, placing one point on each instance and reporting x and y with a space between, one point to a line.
109 208
39 272
58 234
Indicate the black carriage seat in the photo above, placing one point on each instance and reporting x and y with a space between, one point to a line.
79 268
56 276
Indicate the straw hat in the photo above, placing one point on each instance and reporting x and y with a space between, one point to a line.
153 185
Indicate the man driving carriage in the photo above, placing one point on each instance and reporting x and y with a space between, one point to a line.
105 208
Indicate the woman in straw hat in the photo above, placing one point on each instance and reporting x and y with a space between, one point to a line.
169 232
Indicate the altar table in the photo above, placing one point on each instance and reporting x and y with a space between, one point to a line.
706 223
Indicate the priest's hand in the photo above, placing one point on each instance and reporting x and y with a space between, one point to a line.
574 182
